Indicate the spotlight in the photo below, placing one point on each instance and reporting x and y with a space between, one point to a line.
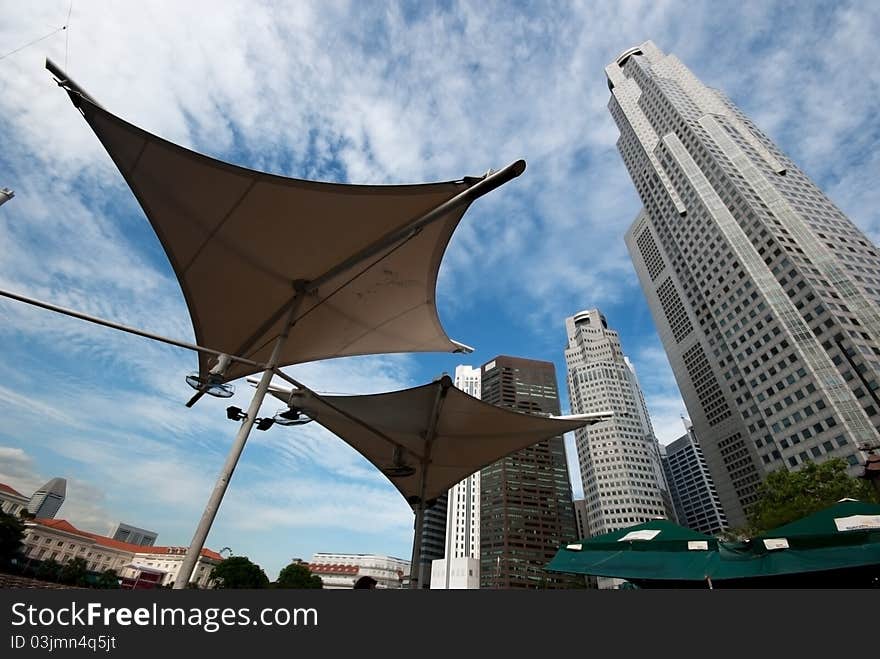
235 414
399 468
210 386
291 417
264 424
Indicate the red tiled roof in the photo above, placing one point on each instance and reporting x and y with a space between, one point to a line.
333 568
5 488
64 525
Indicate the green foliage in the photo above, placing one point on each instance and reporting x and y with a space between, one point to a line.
108 579
11 535
786 496
74 572
297 575
239 572
48 570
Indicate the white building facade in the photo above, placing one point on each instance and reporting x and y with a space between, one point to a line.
619 459
12 502
460 566
58 540
765 295
341 571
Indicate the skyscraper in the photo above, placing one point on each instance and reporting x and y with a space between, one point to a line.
526 508
46 501
134 535
433 538
620 458
696 502
468 379
460 567
766 296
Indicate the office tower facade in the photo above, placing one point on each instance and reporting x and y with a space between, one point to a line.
582 524
526 508
696 502
765 295
433 538
620 458
460 565
467 378
134 535
46 501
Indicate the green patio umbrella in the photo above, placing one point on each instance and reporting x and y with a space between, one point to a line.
657 550
837 546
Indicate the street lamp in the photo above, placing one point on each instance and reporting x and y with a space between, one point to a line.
5 195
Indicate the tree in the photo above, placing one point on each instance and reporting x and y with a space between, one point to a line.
108 579
11 535
49 570
297 575
74 572
789 495
238 572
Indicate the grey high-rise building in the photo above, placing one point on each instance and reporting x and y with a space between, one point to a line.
134 535
765 295
526 510
46 501
580 518
620 458
433 538
696 502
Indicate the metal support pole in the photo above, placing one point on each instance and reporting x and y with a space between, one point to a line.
415 570
213 505
126 328
415 565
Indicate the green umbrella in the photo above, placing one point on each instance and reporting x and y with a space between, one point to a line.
654 550
842 541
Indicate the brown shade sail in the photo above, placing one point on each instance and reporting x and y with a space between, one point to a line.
444 434
358 263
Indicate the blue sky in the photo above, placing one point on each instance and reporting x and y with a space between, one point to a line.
364 93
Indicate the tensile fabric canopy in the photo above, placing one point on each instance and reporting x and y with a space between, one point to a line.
357 264
428 438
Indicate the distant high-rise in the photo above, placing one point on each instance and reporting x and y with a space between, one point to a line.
693 492
134 535
460 567
468 379
526 510
766 296
433 538
620 458
46 501
581 519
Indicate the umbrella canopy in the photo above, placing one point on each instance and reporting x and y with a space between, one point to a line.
357 263
831 547
654 550
845 536
845 523
433 432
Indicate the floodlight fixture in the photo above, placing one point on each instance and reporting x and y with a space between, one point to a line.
209 386
235 414
291 417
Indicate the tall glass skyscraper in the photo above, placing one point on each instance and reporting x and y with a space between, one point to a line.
526 509
766 296
46 501
619 459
